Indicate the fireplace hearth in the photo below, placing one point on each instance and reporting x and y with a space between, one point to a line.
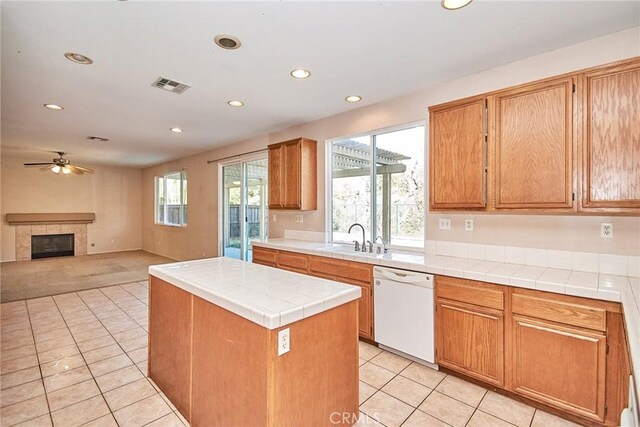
52 245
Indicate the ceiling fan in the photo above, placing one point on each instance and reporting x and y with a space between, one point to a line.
60 165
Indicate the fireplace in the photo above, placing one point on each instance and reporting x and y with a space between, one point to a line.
52 245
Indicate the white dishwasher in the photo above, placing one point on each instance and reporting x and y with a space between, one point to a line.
404 312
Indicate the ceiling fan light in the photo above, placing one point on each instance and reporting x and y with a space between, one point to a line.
55 169
66 170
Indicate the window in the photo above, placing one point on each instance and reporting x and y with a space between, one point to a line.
395 210
171 199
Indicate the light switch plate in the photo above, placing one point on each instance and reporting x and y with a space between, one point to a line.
300 218
275 218
445 224
284 342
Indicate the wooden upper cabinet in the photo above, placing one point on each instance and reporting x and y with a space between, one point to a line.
293 175
457 155
532 146
611 138
276 176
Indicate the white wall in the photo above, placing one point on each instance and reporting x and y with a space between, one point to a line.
553 232
114 194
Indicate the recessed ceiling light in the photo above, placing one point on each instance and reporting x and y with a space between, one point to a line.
454 4
236 103
228 42
353 98
300 73
54 106
78 59
176 130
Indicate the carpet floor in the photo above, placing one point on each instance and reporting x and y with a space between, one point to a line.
51 276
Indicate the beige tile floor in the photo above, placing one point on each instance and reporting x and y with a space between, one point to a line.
80 359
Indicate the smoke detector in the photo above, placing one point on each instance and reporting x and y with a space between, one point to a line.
170 85
97 139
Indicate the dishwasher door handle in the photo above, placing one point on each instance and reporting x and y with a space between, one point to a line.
404 278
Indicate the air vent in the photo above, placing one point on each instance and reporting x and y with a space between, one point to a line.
97 139
170 85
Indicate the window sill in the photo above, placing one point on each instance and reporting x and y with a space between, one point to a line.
171 225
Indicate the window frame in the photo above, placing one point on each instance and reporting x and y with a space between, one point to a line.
371 235
183 190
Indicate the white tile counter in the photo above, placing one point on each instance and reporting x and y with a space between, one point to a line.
269 297
590 284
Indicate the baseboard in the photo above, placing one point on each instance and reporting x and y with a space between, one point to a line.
159 254
111 252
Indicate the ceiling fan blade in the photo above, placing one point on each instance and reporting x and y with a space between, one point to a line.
75 169
81 168
37 164
46 168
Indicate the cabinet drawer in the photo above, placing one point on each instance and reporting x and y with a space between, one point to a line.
264 256
569 313
340 269
471 292
293 262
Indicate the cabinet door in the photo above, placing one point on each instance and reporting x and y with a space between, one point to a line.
470 340
292 175
560 366
533 146
458 155
276 177
611 138
365 308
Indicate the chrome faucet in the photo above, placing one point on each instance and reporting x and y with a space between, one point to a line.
364 239
384 245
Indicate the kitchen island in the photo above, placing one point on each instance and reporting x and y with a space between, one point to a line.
218 344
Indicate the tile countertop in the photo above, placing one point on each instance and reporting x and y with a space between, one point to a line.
269 297
584 284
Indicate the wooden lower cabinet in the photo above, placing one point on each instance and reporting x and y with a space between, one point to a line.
566 353
293 262
472 342
264 256
561 366
352 273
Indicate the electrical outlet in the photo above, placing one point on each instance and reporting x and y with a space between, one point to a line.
284 342
468 225
445 224
300 218
606 230
275 218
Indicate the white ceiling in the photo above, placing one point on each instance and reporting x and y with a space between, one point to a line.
375 49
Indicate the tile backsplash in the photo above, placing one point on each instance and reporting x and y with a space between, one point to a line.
593 262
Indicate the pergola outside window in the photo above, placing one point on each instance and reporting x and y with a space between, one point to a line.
396 207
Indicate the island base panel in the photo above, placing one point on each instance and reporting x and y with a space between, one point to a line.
232 370
170 342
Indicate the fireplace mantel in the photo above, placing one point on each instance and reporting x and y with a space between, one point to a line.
50 218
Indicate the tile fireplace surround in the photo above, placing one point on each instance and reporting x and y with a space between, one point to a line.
28 225
24 233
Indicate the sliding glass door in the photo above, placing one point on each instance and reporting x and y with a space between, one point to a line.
244 206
